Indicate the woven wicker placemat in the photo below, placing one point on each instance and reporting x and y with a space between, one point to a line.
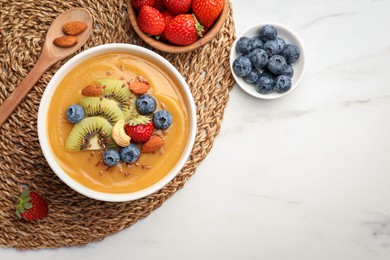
74 219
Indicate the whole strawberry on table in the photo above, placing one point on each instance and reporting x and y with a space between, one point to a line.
31 206
179 22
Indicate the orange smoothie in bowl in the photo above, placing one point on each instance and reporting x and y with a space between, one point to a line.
80 161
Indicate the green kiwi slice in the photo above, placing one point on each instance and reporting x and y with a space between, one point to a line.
95 106
117 90
91 133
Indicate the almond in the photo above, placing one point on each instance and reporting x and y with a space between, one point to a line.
65 41
74 28
92 90
153 144
139 88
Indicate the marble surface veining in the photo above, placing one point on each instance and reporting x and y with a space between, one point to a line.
303 177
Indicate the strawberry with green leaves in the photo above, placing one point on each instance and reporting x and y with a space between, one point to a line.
207 11
31 206
139 128
176 7
183 30
151 21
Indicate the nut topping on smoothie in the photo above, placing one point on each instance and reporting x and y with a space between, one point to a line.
93 90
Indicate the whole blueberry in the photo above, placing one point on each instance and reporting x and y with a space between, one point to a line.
265 85
291 53
257 42
146 104
268 33
281 43
162 119
244 45
242 66
75 113
277 64
258 58
111 157
129 154
289 71
282 83
271 47
253 77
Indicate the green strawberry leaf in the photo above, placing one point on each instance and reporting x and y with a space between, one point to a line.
21 209
198 26
25 194
138 120
27 205
18 214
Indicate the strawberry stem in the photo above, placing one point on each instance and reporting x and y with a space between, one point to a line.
198 26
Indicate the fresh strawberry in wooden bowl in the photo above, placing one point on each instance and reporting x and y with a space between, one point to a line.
212 13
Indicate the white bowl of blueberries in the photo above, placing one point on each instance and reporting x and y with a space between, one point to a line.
267 61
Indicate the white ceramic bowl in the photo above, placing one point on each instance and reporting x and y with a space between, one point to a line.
299 67
64 70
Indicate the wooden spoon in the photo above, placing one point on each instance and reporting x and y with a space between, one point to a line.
50 55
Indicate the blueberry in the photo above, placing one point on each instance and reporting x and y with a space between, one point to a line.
146 104
111 157
282 84
162 119
257 42
277 64
253 77
268 33
244 45
281 43
265 84
75 113
129 154
271 47
289 71
291 53
258 58
242 66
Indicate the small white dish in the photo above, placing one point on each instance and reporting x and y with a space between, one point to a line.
299 66
63 72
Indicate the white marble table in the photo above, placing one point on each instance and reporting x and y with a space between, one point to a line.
304 177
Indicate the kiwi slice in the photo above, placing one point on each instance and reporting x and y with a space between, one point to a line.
95 106
115 89
91 133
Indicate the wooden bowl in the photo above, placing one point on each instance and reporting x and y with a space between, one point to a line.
172 48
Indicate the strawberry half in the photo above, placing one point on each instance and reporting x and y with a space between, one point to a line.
140 129
207 11
183 30
31 206
176 7
138 4
151 21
